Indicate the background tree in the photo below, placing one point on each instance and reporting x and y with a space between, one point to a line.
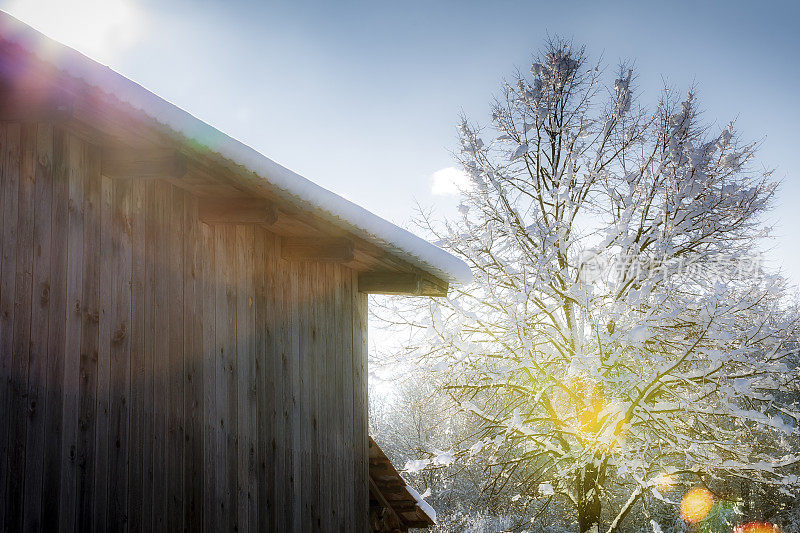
621 334
415 419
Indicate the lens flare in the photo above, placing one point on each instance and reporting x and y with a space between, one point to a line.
696 504
757 527
98 28
585 406
665 482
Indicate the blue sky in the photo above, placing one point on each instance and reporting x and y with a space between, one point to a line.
363 97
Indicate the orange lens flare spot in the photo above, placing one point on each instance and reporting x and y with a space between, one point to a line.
696 504
757 527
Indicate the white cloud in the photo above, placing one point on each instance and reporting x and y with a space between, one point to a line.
98 28
449 181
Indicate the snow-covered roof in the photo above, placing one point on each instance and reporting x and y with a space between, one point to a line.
304 192
422 505
390 490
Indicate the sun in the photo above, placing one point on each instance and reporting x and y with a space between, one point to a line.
98 28
665 482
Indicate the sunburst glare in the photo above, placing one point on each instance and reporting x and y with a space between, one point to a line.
98 28
665 482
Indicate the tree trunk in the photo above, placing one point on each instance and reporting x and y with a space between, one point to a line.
588 492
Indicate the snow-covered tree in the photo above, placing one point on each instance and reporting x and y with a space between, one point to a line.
621 333
415 419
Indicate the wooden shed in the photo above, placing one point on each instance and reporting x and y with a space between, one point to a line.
182 320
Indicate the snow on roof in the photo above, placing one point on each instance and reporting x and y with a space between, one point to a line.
355 218
423 506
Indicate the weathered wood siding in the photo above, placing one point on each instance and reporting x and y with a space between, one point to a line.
160 374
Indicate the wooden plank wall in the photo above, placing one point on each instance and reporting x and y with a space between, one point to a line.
157 373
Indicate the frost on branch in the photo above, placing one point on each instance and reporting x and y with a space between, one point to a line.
620 324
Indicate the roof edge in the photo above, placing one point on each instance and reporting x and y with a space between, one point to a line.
199 134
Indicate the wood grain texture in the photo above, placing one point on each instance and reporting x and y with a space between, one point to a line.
412 284
208 277
265 383
226 459
193 367
101 470
344 326
139 420
72 342
329 406
294 304
21 330
174 357
138 164
89 346
237 211
161 373
246 421
152 330
317 250
159 331
40 320
360 410
35 106
56 338
8 207
121 360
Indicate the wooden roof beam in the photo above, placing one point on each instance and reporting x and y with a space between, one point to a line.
237 211
35 106
322 249
150 163
375 491
408 283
